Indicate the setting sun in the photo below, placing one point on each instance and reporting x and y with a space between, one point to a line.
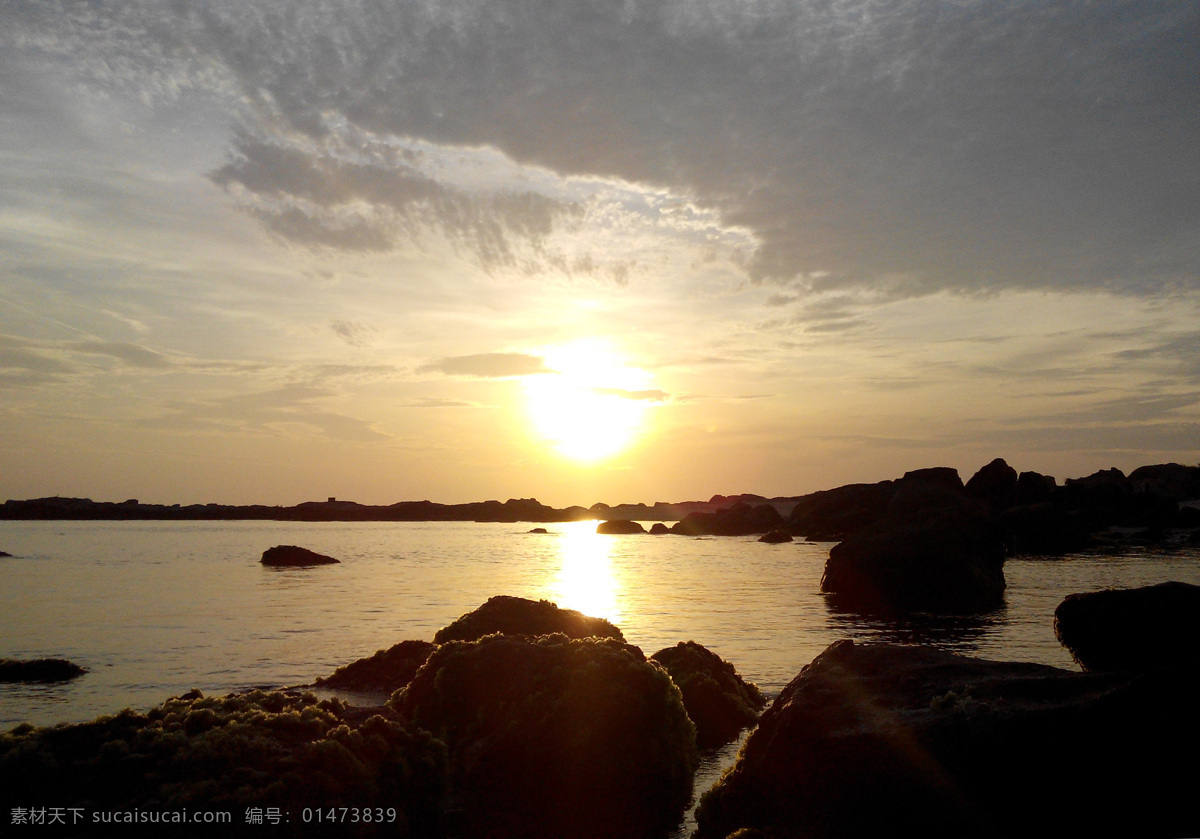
592 405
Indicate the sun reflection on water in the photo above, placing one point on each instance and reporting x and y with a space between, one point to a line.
585 580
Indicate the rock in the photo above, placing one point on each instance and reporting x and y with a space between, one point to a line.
994 485
290 556
539 530
1034 487
4 553
1171 480
938 561
717 699
872 736
935 488
739 520
658 529
259 749
775 537
518 616
1131 629
834 514
556 737
619 526
1045 529
385 671
39 670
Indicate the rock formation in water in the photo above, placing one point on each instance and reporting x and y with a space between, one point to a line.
874 739
39 670
385 671
717 699
550 736
290 556
942 561
659 529
519 616
254 751
1131 629
742 519
619 527
4 554
776 537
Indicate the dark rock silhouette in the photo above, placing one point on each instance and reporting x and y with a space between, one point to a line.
1171 480
995 485
39 670
539 530
832 515
4 554
555 737
1131 629
717 699
935 488
259 749
1035 488
385 671
939 561
290 556
741 519
519 616
775 537
659 529
619 526
877 740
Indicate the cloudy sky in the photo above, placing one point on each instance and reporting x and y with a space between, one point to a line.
585 250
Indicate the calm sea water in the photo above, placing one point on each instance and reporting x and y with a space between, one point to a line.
153 609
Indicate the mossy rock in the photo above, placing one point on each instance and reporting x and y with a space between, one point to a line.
386 671
519 616
717 699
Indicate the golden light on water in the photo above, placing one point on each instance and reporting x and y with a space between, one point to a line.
586 580
592 405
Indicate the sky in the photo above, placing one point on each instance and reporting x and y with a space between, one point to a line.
591 250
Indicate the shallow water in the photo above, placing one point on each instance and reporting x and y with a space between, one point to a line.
153 609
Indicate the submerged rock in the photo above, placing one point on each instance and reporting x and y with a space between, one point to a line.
4 554
39 670
385 671
1131 629
555 737
717 699
539 530
874 736
255 750
942 561
291 556
519 616
619 526
775 537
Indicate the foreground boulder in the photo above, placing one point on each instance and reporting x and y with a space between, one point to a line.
39 670
519 616
619 527
942 561
385 671
1131 629
554 737
717 699
871 737
256 750
290 556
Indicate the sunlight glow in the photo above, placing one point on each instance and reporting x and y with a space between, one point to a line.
592 405
585 580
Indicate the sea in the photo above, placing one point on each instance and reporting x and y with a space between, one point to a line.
154 609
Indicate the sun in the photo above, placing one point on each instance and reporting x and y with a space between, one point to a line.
592 405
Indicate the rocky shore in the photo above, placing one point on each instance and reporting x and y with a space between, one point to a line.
521 719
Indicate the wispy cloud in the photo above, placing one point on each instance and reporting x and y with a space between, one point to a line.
489 365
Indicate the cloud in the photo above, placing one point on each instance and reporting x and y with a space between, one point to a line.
635 395
131 354
498 365
353 333
901 145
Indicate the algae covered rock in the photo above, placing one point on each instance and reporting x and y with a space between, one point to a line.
291 556
39 670
519 616
1131 629
385 671
876 740
717 699
551 736
230 754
